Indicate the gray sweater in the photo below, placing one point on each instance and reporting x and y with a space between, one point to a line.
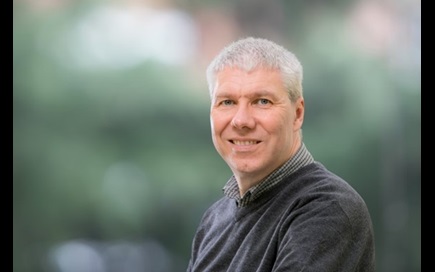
312 221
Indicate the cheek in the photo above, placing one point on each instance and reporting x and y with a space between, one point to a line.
277 122
216 128
213 123
217 122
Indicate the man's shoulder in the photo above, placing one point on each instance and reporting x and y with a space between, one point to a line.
316 181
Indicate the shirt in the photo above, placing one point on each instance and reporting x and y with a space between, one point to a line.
301 158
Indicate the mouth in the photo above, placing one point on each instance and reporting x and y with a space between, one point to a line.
244 143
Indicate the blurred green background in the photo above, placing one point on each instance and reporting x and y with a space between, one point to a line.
113 164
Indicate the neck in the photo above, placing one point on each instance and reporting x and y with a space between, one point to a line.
247 180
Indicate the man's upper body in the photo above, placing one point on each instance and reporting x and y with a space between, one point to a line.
301 218
282 211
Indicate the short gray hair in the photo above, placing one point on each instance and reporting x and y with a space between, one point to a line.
250 53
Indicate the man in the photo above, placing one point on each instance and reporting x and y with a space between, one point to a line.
281 209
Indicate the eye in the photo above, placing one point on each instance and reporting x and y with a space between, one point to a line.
263 101
227 102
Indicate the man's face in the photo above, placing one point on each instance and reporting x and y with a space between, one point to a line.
255 126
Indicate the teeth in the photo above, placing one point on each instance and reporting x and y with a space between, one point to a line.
245 142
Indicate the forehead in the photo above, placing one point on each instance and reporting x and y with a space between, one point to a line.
259 79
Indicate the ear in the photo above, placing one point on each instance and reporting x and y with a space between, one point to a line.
299 113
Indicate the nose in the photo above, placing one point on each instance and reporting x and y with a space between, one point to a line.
243 118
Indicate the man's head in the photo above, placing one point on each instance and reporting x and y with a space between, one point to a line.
250 53
257 107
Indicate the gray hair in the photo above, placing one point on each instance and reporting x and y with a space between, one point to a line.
251 53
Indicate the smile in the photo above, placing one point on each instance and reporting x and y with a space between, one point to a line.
236 142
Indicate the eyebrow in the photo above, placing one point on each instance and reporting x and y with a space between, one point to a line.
263 93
